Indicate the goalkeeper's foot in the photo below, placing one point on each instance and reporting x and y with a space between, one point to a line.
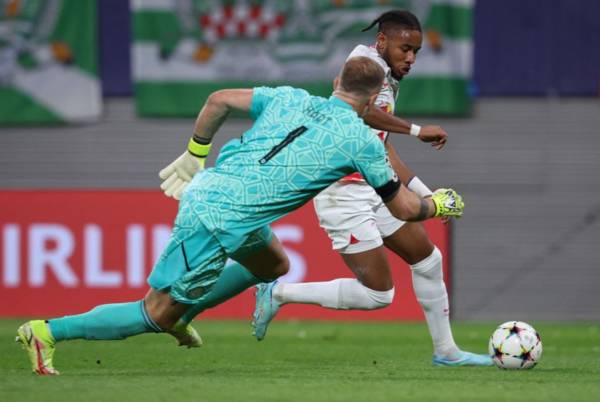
265 310
34 336
463 359
186 335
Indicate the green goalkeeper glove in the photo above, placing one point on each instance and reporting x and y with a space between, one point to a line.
447 203
177 175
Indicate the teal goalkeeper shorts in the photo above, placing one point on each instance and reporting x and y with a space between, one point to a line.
193 260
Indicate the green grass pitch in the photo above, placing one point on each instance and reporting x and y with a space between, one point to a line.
302 361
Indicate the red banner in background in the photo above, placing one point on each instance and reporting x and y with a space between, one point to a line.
64 252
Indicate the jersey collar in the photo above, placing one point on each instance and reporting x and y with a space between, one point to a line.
338 102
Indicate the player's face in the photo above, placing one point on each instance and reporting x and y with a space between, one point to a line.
399 49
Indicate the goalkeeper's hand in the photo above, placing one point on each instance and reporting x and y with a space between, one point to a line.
448 203
177 175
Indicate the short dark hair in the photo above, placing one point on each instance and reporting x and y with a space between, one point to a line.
361 76
395 20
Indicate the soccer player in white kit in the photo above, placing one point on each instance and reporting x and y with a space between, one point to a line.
361 227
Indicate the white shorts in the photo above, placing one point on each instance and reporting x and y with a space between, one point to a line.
354 217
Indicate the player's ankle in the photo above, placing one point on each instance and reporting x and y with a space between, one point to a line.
277 293
450 352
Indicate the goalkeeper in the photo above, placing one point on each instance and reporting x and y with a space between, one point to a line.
298 145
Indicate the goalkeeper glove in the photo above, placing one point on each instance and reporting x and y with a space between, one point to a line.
177 175
447 203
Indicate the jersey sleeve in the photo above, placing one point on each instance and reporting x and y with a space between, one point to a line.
261 97
372 163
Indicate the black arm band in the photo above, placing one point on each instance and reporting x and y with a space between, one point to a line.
201 140
388 190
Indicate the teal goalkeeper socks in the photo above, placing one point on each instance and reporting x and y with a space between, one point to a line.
106 322
233 280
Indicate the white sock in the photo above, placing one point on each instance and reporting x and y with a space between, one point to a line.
430 289
339 294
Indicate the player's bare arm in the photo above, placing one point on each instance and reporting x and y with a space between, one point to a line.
403 171
406 175
217 108
180 172
380 120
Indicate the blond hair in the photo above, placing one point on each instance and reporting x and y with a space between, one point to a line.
361 76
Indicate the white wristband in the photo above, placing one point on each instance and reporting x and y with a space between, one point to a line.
416 185
415 130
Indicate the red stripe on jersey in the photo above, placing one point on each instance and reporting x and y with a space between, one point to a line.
353 177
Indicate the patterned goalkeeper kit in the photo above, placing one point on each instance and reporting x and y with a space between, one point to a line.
298 145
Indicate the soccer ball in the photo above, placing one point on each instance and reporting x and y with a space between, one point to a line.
515 345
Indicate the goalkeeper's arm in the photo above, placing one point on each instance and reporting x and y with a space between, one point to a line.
407 206
217 108
180 172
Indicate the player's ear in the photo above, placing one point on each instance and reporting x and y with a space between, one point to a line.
336 82
373 98
381 42
369 105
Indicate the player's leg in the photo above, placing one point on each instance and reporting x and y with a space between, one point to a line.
266 260
234 279
261 259
175 285
349 221
413 245
372 289
104 322
347 213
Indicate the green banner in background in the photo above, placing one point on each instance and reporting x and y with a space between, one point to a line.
48 62
184 49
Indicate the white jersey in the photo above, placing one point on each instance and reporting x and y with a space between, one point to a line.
386 100
353 215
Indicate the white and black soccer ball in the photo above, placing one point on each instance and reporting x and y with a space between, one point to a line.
515 345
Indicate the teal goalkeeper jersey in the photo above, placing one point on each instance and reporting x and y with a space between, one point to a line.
298 145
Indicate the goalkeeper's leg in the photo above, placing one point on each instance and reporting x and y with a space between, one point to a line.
267 260
233 280
104 322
